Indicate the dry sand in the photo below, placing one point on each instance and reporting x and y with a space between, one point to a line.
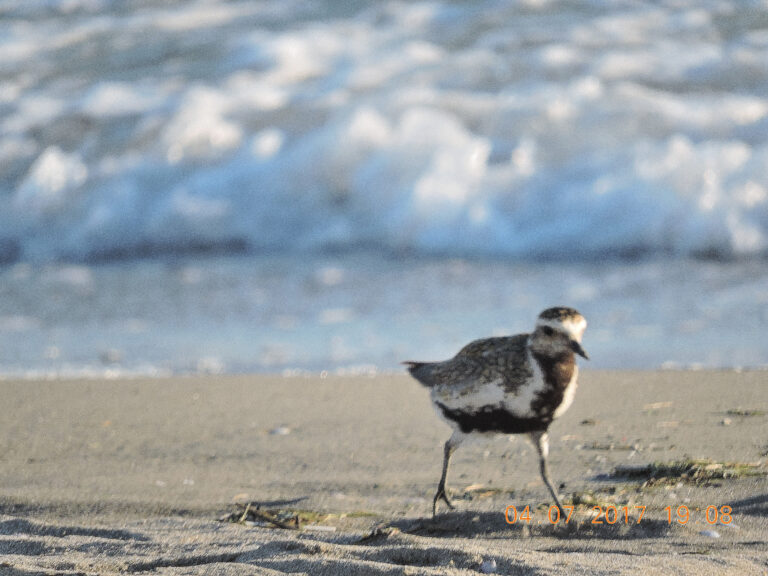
111 477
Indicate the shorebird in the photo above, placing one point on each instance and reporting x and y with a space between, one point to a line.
507 385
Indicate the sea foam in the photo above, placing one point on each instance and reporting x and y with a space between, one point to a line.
524 129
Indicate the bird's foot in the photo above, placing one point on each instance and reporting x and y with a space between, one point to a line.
441 495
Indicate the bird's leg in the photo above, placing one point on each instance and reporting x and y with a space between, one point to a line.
448 450
541 441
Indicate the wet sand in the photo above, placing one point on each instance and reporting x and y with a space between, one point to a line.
110 477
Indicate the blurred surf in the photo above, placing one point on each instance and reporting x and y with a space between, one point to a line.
526 129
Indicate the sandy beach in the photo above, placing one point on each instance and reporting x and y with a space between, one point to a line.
134 476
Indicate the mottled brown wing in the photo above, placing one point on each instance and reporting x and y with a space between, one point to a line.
486 348
480 361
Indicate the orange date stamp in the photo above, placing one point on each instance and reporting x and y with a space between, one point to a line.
622 514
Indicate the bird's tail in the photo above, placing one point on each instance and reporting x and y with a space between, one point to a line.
411 365
422 371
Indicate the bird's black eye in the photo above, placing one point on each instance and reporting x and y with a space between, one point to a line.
548 331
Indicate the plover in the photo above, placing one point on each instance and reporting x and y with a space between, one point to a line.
508 385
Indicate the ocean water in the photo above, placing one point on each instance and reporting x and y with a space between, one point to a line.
364 314
213 186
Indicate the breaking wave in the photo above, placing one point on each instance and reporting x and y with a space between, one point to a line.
527 129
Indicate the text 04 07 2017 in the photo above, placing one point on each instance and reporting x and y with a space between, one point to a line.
622 514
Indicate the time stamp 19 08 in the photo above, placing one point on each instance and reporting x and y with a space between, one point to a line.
611 514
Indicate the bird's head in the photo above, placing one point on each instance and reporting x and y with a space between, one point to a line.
559 330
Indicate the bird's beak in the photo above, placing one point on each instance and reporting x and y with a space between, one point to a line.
576 347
